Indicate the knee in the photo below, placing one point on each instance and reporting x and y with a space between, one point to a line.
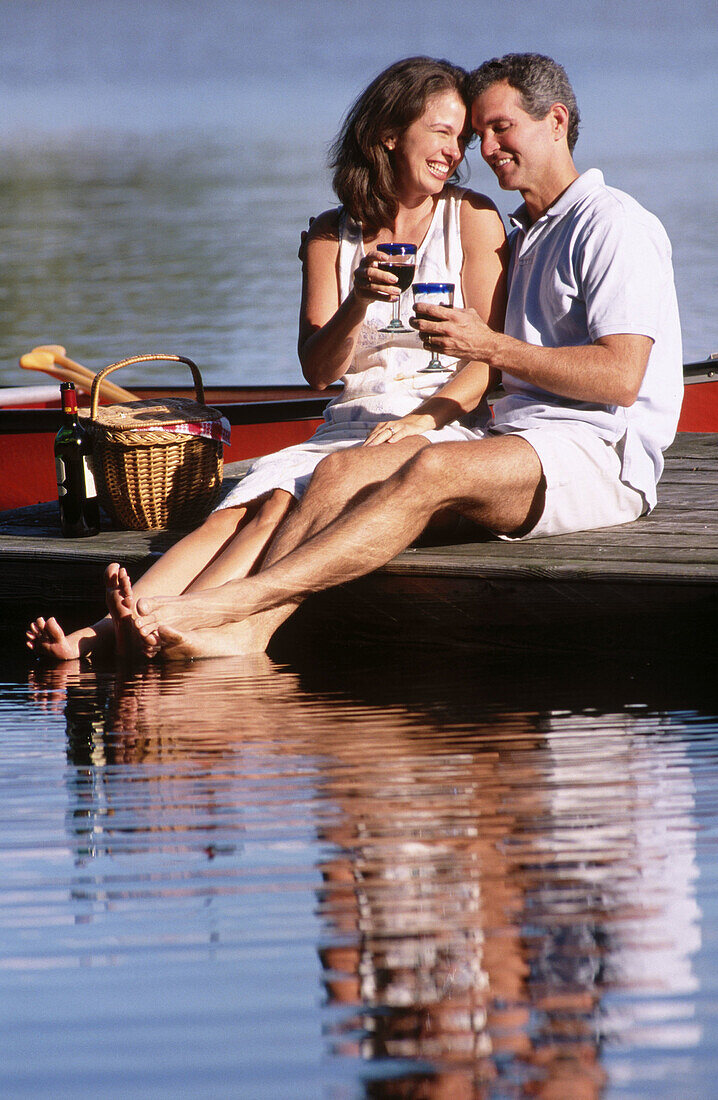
427 467
425 478
331 464
224 523
335 467
273 509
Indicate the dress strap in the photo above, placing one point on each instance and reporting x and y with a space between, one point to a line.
351 251
441 255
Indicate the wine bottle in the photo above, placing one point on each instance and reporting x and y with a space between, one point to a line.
76 492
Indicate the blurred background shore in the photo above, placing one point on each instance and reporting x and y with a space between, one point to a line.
159 159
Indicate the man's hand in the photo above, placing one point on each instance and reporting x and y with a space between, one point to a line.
302 253
457 332
392 431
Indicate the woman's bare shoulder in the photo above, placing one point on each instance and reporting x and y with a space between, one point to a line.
480 216
474 200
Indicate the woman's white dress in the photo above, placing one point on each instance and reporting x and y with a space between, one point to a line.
382 382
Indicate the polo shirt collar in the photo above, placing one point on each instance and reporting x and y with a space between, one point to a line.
580 187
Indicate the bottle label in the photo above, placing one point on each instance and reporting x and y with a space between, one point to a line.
89 473
61 476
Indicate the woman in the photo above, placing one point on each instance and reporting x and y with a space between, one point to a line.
400 146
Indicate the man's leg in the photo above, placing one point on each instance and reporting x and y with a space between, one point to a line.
335 482
496 481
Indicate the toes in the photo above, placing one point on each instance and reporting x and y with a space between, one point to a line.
111 574
144 606
34 634
152 645
124 584
53 631
146 629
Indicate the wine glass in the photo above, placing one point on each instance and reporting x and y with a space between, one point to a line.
434 294
400 261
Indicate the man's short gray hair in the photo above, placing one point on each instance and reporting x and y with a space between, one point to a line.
539 80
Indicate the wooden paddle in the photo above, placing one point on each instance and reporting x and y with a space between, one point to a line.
52 360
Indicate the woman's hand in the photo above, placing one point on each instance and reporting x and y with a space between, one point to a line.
392 431
371 284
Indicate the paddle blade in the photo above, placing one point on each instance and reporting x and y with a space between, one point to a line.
37 359
53 349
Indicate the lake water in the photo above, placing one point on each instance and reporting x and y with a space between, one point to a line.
346 874
349 877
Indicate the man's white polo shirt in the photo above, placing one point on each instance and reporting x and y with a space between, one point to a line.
596 264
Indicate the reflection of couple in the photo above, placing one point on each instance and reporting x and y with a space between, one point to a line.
502 894
590 361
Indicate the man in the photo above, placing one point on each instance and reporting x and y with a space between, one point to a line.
591 366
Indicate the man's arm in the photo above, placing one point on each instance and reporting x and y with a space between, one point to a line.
608 372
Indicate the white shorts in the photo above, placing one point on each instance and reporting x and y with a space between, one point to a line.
583 482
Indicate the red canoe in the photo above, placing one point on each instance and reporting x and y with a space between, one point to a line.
263 419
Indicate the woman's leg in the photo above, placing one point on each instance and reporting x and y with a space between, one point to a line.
228 544
242 554
177 568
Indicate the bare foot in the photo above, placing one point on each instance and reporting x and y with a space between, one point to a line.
207 607
47 639
232 640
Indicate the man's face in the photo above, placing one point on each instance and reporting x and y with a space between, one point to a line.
518 148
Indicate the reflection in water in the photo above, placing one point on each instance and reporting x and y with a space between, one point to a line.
507 899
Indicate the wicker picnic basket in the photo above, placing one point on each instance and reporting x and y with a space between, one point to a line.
154 463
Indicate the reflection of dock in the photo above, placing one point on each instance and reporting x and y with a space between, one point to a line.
600 589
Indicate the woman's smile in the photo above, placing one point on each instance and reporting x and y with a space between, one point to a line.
430 150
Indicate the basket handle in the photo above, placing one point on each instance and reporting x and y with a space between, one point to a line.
97 380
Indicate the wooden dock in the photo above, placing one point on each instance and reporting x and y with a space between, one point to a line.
653 582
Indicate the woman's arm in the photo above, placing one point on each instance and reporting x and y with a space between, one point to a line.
483 275
483 283
459 396
328 328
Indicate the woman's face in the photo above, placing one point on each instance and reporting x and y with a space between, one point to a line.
428 152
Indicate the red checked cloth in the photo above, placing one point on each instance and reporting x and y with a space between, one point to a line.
207 429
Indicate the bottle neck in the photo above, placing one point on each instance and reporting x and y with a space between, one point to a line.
69 401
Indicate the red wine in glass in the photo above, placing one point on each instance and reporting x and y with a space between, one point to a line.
404 273
434 294
400 261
